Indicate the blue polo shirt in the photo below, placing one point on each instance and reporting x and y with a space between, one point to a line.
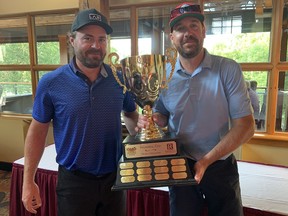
200 106
86 117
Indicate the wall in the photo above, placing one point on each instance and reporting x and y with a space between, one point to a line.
23 6
11 145
12 137
266 151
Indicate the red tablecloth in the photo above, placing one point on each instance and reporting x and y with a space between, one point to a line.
46 180
140 202
147 202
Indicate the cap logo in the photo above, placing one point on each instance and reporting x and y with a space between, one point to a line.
95 17
183 7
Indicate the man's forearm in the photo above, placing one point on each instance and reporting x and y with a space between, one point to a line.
130 119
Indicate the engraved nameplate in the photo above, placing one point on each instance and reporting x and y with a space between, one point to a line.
162 176
126 165
161 170
126 172
150 149
144 178
144 171
180 175
180 161
127 179
178 168
141 164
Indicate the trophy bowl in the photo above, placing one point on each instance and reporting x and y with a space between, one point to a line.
144 76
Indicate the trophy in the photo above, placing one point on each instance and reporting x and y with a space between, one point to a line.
151 158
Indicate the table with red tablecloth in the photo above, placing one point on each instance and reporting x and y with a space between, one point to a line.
264 190
46 178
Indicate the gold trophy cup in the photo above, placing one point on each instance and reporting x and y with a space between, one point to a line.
152 157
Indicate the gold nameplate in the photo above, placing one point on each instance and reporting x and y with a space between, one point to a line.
127 165
180 161
180 175
144 171
180 168
126 172
140 150
127 179
160 163
144 178
141 164
161 169
162 176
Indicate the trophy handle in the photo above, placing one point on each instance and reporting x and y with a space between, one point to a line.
171 54
114 70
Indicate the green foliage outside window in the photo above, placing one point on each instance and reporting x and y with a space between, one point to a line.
14 53
250 47
48 53
19 82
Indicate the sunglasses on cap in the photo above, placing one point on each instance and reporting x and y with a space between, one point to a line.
188 9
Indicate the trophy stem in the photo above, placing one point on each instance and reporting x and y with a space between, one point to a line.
153 131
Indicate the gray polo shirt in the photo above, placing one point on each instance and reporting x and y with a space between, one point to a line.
201 105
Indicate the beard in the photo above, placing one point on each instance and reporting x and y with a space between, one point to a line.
93 61
189 51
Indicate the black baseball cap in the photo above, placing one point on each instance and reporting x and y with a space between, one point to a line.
90 17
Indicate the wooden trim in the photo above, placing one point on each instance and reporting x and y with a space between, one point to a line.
15 67
15 116
134 32
63 49
28 67
256 66
283 66
276 136
32 50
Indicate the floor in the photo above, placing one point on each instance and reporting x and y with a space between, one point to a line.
5 181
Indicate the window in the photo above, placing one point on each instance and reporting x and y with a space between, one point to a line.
241 30
282 103
120 42
14 46
257 81
51 32
226 25
20 57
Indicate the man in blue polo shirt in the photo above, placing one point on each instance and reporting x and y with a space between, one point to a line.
85 102
208 107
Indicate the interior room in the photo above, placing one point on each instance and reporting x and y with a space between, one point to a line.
34 42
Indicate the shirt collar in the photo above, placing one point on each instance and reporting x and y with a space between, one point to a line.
206 63
72 64
103 71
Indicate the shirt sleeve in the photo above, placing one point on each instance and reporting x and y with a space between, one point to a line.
236 90
43 109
